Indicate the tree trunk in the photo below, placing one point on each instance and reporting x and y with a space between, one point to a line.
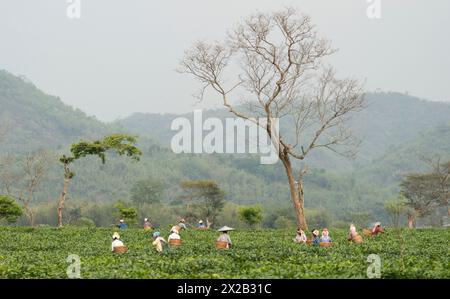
29 213
297 195
410 221
61 202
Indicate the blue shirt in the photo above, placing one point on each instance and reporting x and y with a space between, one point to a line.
122 226
316 241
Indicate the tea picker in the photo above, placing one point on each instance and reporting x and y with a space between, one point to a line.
117 245
224 240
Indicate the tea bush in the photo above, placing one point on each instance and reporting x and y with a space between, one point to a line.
42 253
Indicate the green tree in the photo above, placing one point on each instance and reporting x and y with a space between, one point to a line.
121 144
318 218
9 209
283 222
422 193
147 191
205 199
128 213
251 215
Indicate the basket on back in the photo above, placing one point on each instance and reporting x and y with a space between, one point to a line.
175 242
221 245
367 232
120 249
357 239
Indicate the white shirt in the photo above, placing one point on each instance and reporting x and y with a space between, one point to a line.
174 236
116 243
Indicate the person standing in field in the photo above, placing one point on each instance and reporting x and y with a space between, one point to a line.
353 235
377 229
201 225
159 241
224 236
182 223
147 224
122 224
315 237
325 236
116 241
174 235
300 237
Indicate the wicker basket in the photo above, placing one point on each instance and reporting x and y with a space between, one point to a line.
325 244
221 245
120 249
175 242
358 239
367 232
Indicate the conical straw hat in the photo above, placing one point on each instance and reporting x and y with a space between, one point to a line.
225 229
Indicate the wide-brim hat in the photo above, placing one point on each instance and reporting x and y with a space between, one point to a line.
225 229
116 236
201 221
377 224
315 232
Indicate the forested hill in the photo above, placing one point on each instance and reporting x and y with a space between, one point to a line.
394 128
37 120
390 119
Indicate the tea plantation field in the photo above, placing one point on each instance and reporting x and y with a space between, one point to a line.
43 252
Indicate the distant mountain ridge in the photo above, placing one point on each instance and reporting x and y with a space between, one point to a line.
37 120
390 119
394 129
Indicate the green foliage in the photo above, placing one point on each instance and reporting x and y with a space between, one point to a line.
283 222
204 199
9 209
255 254
318 218
394 129
128 213
121 144
83 222
147 191
422 192
251 215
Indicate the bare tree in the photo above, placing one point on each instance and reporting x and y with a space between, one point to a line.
281 73
22 183
35 168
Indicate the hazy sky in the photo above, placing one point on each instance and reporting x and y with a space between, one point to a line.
120 56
